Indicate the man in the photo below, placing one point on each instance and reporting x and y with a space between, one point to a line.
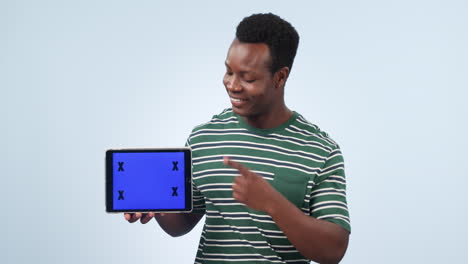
271 184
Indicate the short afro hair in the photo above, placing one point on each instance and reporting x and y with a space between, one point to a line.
279 35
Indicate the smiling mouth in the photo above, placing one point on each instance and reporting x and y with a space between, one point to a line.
237 100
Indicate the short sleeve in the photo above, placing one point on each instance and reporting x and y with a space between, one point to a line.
198 200
328 195
197 196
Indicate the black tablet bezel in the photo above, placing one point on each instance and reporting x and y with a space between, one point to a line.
188 179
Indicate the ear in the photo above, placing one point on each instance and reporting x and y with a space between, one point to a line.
280 77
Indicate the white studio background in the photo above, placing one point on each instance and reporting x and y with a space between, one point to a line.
386 79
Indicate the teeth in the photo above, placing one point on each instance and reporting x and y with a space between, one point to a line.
237 100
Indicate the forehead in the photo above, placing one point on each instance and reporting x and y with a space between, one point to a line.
248 56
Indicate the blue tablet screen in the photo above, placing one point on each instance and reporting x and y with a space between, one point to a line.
148 180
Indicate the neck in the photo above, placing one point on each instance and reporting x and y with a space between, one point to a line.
269 120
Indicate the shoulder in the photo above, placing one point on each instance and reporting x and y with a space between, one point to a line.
225 116
309 131
224 120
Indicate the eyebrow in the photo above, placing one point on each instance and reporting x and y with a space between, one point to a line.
241 72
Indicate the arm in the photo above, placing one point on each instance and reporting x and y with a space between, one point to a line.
178 224
175 224
318 240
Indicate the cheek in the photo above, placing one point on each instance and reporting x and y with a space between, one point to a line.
256 91
226 81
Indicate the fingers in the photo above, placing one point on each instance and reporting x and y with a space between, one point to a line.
146 218
133 217
237 196
241 168
238 189
239 193
127 216
239 184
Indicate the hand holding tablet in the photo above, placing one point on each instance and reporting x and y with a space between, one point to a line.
148 180
143 217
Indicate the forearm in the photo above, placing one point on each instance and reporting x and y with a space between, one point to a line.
178 224
318 240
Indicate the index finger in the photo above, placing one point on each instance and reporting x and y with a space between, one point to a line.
241 168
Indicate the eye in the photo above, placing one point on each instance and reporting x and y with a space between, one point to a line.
250 81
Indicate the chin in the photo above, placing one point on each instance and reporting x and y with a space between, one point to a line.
242 112
237 111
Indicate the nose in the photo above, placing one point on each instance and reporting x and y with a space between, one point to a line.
232 83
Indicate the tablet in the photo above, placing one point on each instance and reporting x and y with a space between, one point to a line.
149 180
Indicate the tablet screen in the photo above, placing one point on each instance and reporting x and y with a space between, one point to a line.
148 180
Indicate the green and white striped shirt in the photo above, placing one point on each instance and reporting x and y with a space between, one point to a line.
296 158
